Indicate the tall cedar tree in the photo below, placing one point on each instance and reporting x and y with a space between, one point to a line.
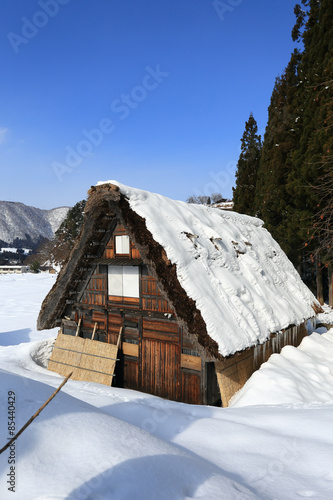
67 232
57 250
315 30
282 134
247 168
296 137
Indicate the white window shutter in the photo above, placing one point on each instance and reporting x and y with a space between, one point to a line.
123 281
122 244
115 280
131 281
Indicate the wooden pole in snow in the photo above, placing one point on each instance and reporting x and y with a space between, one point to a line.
36 414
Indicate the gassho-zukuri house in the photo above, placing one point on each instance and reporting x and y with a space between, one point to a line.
174 299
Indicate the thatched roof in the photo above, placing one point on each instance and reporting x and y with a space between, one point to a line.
229 282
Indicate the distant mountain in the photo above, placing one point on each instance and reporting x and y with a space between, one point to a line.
27 225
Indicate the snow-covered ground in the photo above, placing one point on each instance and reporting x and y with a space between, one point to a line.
95 442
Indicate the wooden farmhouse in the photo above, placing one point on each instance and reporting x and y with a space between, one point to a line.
14 269
189 299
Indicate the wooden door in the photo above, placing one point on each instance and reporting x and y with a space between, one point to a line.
161 369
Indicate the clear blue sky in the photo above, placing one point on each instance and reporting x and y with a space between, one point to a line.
165 85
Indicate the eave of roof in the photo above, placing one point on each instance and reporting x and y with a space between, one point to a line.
119 262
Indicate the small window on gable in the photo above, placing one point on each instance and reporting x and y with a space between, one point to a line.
123 281
122 245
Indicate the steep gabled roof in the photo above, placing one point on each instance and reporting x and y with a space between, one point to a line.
230 283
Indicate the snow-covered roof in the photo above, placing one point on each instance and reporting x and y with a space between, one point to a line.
243 284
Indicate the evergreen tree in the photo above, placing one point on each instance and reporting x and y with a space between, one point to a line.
57 250
35 267
273 203
71 225
315 30
296 138
67 232
247 168
320 241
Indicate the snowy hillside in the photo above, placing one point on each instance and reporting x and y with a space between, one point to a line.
21 221
97 442
55 216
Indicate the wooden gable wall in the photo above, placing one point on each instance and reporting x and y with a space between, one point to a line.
155 356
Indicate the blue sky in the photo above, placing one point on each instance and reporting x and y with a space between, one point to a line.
153 93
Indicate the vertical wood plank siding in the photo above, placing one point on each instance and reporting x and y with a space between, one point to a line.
152 299
233 372
95 292
161 369
191 387
131 374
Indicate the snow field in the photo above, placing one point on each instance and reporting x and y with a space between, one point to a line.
95 442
